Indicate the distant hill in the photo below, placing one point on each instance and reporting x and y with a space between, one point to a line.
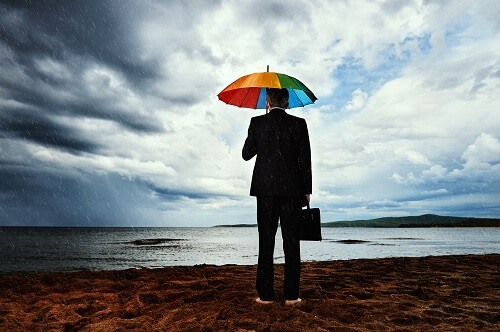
426 220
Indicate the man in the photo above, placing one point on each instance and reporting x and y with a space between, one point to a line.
281 182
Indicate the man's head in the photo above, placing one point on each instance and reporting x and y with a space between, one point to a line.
277 98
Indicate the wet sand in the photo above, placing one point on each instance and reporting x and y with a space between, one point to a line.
445 293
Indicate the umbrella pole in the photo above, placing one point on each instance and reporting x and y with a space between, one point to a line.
266 95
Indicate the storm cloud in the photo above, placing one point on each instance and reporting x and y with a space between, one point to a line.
109 114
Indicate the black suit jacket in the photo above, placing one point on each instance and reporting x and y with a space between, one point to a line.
283 165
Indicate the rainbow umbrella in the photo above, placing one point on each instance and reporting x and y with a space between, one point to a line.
249 91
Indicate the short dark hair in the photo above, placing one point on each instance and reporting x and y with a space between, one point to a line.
277 97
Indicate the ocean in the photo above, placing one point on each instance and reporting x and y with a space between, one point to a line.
67 249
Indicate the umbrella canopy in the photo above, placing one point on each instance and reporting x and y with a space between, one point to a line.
249 91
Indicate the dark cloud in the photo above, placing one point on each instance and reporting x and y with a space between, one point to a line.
88 28
40 129
483 74
82 36
172 194
75 36
45 93
46 198
176 194
276 11
395 6
467 208
77 60
381 205
269 15
48 49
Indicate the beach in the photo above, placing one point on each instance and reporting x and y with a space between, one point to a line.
436 293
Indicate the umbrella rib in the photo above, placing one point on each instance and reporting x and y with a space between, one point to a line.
246 95
308 92
299 84
298 98
235 95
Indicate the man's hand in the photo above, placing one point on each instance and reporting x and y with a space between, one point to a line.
308 197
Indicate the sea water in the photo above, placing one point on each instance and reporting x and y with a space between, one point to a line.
63 249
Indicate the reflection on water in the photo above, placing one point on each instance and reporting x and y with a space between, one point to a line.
26 249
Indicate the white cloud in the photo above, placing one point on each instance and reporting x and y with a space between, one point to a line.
433 193
414 157
435 173
358 100
482 160
484 152
53 68
103 164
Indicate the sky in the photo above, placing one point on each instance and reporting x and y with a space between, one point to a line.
109 113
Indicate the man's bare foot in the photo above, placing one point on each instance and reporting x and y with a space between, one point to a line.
258 300
290 303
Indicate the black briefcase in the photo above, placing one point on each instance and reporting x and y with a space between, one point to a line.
309 224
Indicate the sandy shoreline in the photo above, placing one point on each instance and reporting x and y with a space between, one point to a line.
443 293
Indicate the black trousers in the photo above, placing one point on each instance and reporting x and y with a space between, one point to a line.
269 211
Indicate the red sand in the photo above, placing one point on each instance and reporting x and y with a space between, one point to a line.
446 293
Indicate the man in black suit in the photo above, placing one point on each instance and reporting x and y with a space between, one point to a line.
281 182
